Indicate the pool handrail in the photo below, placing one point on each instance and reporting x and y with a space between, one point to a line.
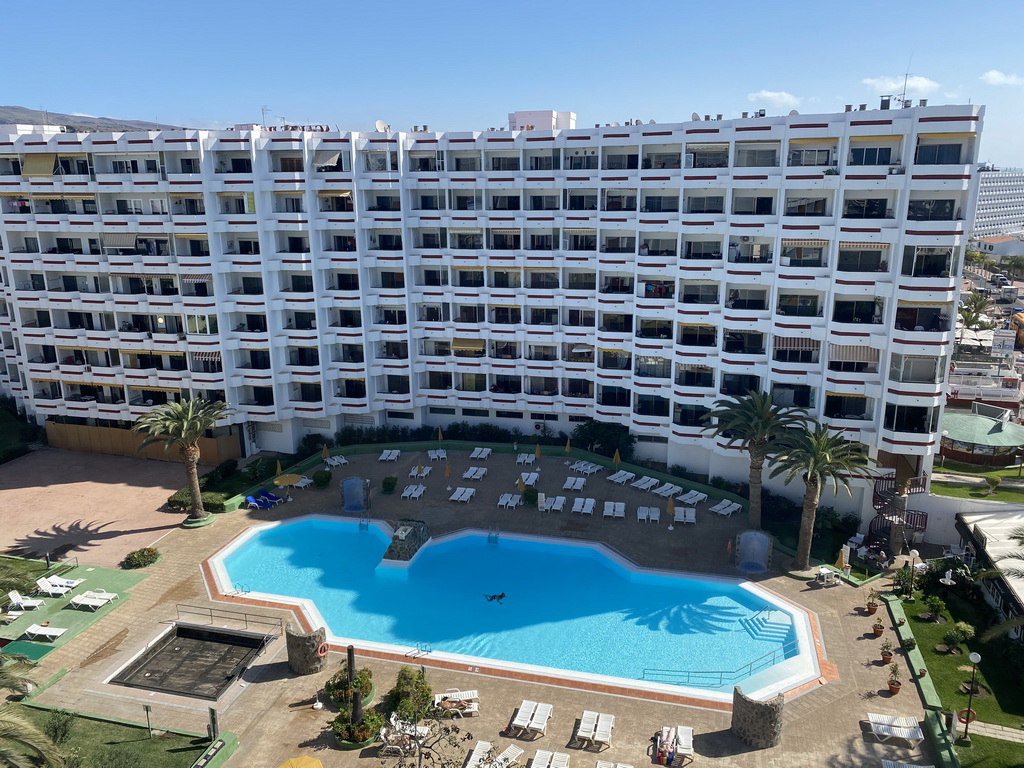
724 676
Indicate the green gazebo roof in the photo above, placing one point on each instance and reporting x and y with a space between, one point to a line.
982 430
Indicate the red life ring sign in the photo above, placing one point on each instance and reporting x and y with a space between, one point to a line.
322 649
966 716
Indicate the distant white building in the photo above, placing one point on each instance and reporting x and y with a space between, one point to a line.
1000 202
541 120
998 247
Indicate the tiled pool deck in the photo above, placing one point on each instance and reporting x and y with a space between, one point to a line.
271 712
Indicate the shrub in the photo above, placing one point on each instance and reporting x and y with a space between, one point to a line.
260 469
954 637
181 501
357 732
58 725
826 518
140 558
227 468
411 696
388 484
993 479
322 478
339 690
909 644
720 483
902 579
314 443
73 758
530 496
935 606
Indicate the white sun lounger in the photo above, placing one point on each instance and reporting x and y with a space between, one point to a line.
419 471
644 483
539 722
530 478
389 456
335 461
691 498
22 603
614 477
457 494
510 756
654 515
479 754
53 590
438 455
524 458
620 510
576 466
588 506
503 500
523 716
585 730
542 759
474 473
721 505
559 760
88 600
62 582
609 509
39 632
591 469
418 493
515 501
554 503
621 477
609 764
603 731
641 514
577 504
454 694
667 490
481 453
574 483
466 495
887 727
733 507
408 490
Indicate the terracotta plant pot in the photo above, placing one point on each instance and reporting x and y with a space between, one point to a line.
878 629
901 622
922 672
887 657
872 608
894 686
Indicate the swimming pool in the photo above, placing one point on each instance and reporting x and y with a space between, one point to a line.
572 606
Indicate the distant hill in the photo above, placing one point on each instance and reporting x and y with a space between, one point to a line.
76 122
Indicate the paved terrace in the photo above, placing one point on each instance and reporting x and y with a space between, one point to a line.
271 711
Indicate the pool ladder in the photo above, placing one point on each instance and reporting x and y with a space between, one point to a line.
241 589
421 649
364 521
492 534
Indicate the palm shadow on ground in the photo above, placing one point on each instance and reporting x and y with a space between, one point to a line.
77 537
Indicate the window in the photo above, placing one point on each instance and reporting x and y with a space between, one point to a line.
544 416
917 369
291 165
479 413
292 205
861 261
128 206
871 156
759 206
513 415
504 163
400 415
931 210
804 157
438 411
711 204
805 206
697 335
756 158
938 154
124 166
874 208
201 324
700 293
190 165
704 249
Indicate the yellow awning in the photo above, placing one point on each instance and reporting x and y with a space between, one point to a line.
570 231
289 192
73 154
464 230
845 245
35 379
804 243
824 140
38 165
185 194
191 236
506 231
13 194
468 344
842 394
334 193
230 194
965 135
895 137
936 304
702 325
504 305
147 388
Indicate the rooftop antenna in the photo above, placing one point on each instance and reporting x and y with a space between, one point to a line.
906 78
263 110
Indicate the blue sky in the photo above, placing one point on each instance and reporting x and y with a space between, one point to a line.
464 65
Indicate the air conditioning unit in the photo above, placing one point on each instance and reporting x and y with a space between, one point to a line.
745 239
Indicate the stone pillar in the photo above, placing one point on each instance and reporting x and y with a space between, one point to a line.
302 647
757 724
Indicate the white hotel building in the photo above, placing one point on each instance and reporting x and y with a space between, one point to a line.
315 279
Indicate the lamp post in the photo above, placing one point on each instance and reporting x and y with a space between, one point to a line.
913 560
975 660
942 449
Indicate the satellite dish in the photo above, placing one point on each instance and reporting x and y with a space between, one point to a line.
651 122
693 116
793 112
638 121
614 124
381 126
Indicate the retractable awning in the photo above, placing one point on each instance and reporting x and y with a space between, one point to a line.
796 344
474 345
326 157
201 278
506 231
842 394
803 243
38 165
465 230
206 357
845 353
334 193
579 231
846 245
120 240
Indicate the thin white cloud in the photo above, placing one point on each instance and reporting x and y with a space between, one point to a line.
774 98
916 85
82 114
995 77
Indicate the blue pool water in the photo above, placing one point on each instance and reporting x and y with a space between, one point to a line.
567 607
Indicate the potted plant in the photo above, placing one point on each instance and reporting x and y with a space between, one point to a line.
878 628
909 644
339 690
872 604
349 735
894 679
887 651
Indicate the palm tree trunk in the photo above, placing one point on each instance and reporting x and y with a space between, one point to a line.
810 510
754 488
190 458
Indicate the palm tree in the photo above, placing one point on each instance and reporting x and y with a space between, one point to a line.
1013 571
1014 265
180 425
753 422
974 311
818 456
22 745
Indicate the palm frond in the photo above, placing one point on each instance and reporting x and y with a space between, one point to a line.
22 744
1002 628
752 420
821 456
178 424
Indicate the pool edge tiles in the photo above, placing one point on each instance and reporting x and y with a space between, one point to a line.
804 670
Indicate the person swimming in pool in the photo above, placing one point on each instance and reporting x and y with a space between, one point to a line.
499 598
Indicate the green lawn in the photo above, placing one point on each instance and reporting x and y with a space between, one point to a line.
957 490
972 469
96 738
991 753
17 567
1006 705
